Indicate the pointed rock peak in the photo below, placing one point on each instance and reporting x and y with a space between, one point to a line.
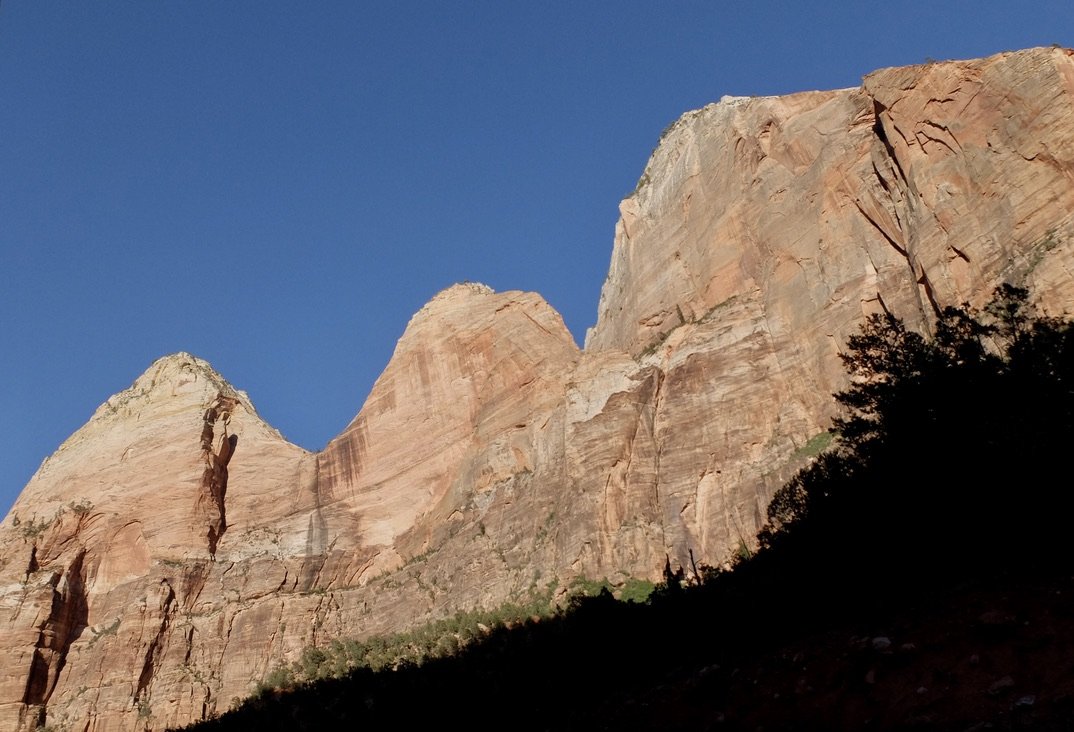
461 291
469 288
179 376
179 367
461 294
466 305
178 370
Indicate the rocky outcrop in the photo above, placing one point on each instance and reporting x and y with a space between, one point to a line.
764 229
176 548
128 507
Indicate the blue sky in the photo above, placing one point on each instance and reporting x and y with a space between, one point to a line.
276 187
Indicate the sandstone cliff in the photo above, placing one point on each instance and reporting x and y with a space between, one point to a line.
176 548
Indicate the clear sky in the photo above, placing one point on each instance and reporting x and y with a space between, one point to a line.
277 187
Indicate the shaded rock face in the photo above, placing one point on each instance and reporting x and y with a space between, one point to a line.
176 548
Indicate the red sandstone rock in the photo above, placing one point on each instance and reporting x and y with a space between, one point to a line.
176 548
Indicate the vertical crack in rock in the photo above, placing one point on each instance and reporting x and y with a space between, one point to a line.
895 238
211 505
316 541
884 305
31 718
193 582
65 622
923 280
882 136
899 194
155 650
887 237
654 416
32 566
189 638
884 216
881 179
226 637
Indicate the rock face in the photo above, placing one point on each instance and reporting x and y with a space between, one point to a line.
176 548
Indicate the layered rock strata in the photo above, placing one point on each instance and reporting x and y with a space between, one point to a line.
176 548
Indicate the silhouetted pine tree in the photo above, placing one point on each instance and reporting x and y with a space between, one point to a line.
951 455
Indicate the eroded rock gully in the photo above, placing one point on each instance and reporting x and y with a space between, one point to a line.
148 576
211 500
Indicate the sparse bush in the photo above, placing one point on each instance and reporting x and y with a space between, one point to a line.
281 677
82 508
636 590
586 587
